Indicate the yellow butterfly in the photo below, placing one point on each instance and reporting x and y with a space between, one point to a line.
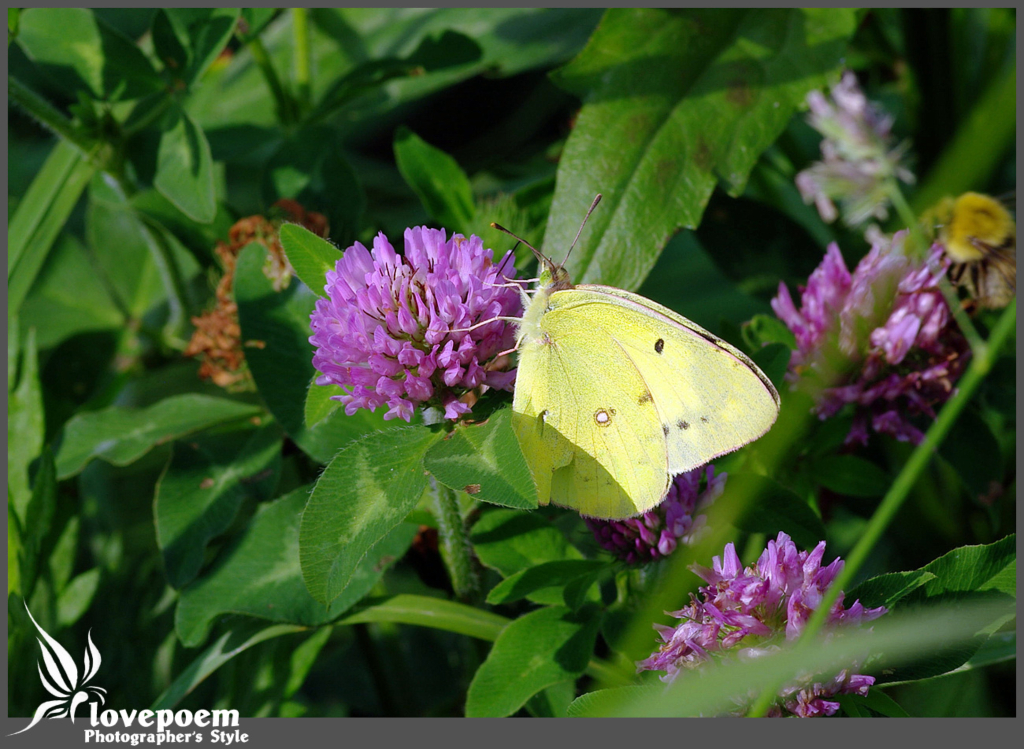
615 394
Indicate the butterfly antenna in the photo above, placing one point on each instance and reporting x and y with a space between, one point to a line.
502 229
510 253
580 231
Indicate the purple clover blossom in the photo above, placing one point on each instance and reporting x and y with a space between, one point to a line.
858 162
657 532
881 339
393 329
753 610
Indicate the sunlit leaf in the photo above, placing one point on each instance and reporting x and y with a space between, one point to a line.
676 101
367 490
121 435
484 460
535 651
259 574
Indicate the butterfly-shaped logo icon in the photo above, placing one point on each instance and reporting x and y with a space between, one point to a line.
61 678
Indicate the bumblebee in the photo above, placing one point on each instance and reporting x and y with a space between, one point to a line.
979 236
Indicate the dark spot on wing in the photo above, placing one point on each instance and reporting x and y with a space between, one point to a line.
683 424
665 429
646 397
704 419
659 345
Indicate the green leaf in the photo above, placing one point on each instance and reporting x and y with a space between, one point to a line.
310 167
368 489
203 32
966 574
973 569
485 460
318 402
259 574
34 523
449 50
850 475
65 550
437 179
766 507
121 435
69 297
202 487
773 360
140 262
75 599
236 640
886 590
170 43
553 701
310 255
876 700
605 702
40 216
509 541
535 651
276 327
42 505
78 50
764 329
547 575
15 553
184 167
25 425
431 612
676 101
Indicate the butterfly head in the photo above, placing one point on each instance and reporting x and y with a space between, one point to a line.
552 277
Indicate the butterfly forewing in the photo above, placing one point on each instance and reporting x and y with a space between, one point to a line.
711 399
588 421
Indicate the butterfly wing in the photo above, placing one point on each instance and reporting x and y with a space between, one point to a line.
711 399
592 439
616 393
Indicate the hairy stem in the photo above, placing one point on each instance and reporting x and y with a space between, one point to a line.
454 543
47 115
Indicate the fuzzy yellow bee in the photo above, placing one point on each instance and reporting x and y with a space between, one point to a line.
979 235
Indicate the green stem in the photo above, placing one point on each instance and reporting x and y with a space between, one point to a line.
303 56
920 245
981 363
283 101
48 116
454 543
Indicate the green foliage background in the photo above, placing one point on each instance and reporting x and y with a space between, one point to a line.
180 522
